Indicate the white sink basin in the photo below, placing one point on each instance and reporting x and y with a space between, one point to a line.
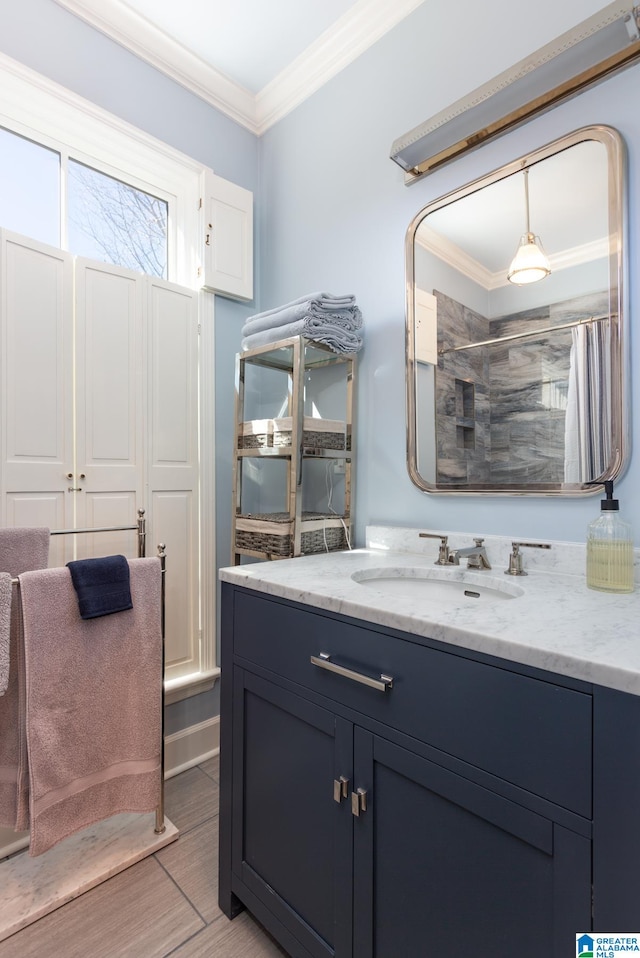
446 587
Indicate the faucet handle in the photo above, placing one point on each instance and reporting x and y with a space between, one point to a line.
443 551
478 560
515 559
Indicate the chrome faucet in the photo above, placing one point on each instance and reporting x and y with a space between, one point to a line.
515 559
475 555
443 551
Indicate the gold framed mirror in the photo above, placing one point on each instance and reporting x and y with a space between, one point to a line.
516 350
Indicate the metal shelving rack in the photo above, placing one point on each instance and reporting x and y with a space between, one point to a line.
300 533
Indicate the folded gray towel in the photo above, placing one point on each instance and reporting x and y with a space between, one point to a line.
337 338
5 624
342 308
327 300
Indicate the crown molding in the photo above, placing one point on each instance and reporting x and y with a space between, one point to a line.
134 32
365 23
451 254
358 29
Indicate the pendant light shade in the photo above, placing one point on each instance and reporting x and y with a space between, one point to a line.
530 263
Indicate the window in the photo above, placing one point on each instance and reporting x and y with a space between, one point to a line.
110 220
57 149
106 218
30 188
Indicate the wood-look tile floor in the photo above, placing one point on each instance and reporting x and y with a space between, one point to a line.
165 905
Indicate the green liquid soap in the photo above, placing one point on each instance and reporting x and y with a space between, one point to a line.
610 565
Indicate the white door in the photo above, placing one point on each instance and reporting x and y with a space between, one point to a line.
122 423
172 457
86 446
110 405
36 386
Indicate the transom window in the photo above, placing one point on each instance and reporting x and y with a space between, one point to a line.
110 220
104 218
29 188
76 177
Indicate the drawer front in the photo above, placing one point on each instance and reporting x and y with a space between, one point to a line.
529 732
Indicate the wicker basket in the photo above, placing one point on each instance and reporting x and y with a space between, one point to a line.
255 434
273 533
316 433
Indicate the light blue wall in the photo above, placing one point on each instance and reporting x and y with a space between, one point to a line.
337 211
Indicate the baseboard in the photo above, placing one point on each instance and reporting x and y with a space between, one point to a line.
191 746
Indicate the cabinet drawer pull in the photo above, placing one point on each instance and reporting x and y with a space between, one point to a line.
358 802
323 661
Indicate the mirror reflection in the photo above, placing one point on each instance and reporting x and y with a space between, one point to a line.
514 347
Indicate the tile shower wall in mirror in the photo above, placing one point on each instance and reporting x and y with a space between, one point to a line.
501 409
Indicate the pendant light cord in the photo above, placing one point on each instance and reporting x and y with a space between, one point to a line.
526 198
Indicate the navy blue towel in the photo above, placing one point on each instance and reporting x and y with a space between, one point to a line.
102 585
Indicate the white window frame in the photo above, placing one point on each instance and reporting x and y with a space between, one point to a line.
48 113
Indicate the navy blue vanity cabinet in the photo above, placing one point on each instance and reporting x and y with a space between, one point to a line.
440 862
292 844
449 812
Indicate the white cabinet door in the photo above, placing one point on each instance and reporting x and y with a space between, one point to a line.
122 422
172 456
110 413
228 238
36 383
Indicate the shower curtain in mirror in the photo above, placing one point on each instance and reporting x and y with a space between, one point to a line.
588 419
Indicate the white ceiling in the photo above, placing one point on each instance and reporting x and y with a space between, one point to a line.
251 41
253 59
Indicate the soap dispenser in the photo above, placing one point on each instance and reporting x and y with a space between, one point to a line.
609 548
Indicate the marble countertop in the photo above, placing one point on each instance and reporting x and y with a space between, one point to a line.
556 623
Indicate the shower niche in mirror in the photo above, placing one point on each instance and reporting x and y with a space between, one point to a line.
516 354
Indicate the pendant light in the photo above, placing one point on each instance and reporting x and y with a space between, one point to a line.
530 263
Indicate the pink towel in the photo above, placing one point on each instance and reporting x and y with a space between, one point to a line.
94 699
5 629
21 550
